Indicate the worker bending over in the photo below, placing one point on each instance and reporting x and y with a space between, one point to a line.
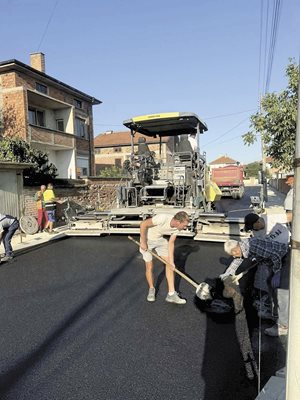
152 231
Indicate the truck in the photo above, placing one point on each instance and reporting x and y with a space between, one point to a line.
230 180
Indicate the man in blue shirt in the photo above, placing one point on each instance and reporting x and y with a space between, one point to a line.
8 226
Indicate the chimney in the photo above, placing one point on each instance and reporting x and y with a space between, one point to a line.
37 61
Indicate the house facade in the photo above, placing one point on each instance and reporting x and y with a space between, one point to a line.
49 114
113 148
223 161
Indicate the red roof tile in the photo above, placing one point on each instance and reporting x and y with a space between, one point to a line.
123 139
224 160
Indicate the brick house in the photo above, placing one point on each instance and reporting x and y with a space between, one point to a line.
113 148
49 114
223 161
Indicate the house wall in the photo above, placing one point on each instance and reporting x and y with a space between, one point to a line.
14 106
14 101
99 194
108 156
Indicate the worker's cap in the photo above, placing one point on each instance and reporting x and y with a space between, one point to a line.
250 220
290 180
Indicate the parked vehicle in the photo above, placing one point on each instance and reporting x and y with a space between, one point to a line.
230 180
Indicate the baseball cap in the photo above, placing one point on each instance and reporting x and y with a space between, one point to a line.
250 219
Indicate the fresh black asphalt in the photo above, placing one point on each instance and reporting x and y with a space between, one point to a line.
75 325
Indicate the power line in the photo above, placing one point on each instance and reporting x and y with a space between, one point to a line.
228 115
273 39
224 134
47 25
109 124
205 118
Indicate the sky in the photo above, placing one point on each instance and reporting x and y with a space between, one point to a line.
142 57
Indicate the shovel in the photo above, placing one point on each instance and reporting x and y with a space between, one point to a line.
202 289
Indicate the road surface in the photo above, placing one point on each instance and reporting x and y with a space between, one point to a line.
75 325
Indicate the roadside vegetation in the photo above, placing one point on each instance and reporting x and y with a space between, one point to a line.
111 172
276 122
254 170
18 151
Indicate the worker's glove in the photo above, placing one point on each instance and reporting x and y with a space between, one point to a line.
275 281
203 291
224 276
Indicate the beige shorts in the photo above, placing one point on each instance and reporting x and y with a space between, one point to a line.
160 246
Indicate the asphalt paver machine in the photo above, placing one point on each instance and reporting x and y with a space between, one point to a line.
173 179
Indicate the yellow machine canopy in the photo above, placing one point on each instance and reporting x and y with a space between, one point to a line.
166 124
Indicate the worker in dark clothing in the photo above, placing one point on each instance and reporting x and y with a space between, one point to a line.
8 227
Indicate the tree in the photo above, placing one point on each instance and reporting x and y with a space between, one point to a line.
253 169
17 150
276 123
111 172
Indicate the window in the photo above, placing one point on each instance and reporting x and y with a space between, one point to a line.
36 117
97 151
80 128
118 162
77 103
60 126
84 171
117 149
41 88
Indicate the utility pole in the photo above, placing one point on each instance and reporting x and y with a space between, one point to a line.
263 176
293 353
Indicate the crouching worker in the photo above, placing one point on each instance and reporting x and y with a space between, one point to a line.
8 227
272 227
152 231
267 253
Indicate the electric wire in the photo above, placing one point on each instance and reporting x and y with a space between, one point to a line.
273 40
265 42
224 134
228 115
47 25
205 118
260 48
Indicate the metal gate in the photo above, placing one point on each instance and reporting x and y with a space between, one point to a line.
10 192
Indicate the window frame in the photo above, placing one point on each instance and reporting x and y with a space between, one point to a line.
78 104
40 87
58 120
78 132
37 113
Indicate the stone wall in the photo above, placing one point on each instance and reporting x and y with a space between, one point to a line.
98 194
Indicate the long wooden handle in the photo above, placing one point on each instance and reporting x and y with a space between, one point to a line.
165 262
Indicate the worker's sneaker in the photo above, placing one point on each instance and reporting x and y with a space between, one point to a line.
276 330
174 298
151 295
7 258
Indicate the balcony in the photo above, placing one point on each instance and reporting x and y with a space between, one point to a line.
51 122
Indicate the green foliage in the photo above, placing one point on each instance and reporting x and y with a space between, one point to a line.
252 169
276 123
18 151
111 172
